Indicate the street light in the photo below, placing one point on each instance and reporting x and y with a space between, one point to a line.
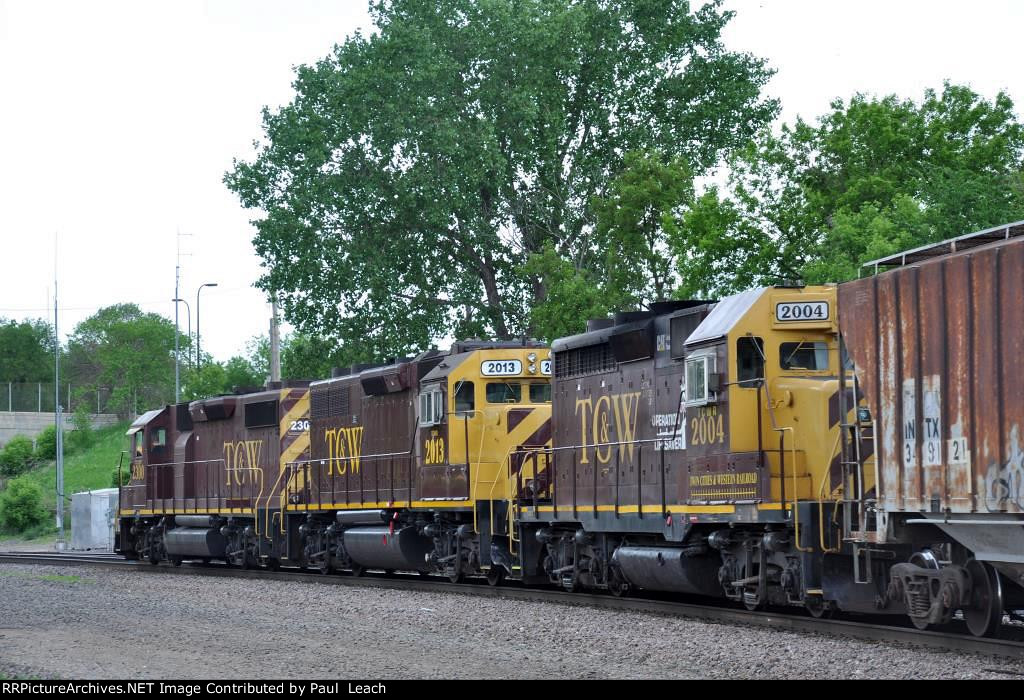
208 284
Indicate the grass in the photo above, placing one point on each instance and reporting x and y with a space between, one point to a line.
89 469
56 578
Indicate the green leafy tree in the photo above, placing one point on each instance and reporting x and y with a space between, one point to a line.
26 351
309 357
634 221
17 456
209 380
418 168
21 505
874 176
573 296
127 351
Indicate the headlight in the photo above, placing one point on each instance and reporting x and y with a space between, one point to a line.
532 357
533 369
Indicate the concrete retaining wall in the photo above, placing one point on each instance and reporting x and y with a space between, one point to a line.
31 424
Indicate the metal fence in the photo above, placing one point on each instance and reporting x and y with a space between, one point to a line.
39 397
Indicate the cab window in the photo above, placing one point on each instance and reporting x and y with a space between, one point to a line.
503 392
159 437
464 397
540 393
749 362
804 355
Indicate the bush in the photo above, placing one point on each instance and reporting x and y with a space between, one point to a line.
123 478
21 506
46 444
16 456
82 437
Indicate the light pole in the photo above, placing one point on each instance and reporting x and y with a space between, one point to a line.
188 312
208 284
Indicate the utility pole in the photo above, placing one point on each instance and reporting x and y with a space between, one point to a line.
57 413
177 280
177 367
275 342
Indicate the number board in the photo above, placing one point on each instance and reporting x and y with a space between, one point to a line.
545 367
801 311
501 368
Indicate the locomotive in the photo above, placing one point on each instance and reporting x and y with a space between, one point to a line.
850 447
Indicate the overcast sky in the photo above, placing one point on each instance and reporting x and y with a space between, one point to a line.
119 119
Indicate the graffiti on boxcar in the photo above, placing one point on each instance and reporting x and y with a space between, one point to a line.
239 457
1004 484
597 429
344 450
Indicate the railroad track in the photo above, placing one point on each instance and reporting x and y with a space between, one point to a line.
784 620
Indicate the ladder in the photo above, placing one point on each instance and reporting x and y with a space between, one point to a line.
858 436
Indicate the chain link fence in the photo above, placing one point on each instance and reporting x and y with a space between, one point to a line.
40 397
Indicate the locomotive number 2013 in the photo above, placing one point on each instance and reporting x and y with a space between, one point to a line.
707 428
433 450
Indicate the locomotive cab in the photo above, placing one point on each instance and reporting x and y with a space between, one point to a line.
476 410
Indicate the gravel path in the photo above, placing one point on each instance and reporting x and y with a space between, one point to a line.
81 622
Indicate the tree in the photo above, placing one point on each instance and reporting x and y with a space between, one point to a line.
26 351
418 169
127 351
309 357
871 178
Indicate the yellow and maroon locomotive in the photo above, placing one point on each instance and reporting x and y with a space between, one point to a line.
854 447
409 465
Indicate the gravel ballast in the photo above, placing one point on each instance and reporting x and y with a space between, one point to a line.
84 622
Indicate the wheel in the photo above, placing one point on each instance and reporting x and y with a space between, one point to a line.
357 570
175 561
752 602
818 607
985 614
273 564
455 575
326 565
495 575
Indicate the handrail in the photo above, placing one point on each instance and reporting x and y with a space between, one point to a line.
821 503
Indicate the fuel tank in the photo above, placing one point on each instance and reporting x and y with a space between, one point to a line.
195 542
379 548
669 569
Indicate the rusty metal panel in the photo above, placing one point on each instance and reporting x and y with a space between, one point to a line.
942 373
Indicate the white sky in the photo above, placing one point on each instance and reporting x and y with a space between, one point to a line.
118 120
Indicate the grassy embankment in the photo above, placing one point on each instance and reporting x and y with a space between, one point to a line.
88 469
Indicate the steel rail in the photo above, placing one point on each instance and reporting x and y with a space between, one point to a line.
775 620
